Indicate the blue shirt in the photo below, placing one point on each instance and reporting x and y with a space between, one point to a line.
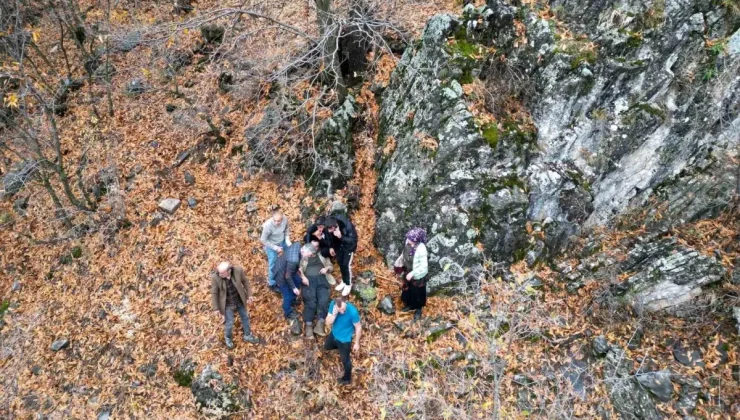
344 324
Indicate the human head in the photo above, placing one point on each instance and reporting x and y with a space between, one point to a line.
224 269
308 250
320 224
340 304
331 224
416 235
277 215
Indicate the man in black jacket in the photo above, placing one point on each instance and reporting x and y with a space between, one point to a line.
317 233
344 245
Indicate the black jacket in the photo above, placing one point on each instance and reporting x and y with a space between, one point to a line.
348 242
324 244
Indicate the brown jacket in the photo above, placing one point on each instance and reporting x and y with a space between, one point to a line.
218 289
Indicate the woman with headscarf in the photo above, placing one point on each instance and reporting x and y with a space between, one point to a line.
412 265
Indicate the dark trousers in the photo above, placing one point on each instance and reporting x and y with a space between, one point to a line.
288 295
344 259
316 298
344 349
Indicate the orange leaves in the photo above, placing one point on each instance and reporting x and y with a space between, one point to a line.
426 141
390 146
384 68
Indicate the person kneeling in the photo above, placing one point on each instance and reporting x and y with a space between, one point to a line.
314 272
346 321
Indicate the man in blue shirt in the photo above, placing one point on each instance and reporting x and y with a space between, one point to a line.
344 319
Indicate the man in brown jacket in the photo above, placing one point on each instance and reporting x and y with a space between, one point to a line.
230 291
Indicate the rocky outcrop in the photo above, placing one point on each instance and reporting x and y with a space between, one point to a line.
628 397
286 142
667 275
17 177
635 108
214 397
335 155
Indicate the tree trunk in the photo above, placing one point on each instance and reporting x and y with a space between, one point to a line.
329 39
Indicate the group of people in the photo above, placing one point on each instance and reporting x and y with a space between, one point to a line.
303 272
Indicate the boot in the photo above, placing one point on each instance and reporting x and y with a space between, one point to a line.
339 287
249 338
320 328
347 289
229 343
417 314
309 330
344 381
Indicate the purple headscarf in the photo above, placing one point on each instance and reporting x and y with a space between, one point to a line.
416 235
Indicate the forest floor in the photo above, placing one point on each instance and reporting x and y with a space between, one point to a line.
142 300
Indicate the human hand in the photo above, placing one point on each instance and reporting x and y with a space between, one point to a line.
409 276
250 300
279 250
324 270
305 281
356 348
296 291
332 253
334 310
337 233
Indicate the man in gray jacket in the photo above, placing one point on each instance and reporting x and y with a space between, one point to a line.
275 238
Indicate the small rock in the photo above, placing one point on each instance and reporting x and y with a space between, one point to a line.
59 344
600 346
189 178
658 383
736 373
366 277
436 331
688 357
17 286
20 205
696 23
156 219
247 197
386 306
102 314
182 157
338 207
136 87
192 202
736 314
169 205
636 340
252 207
690 381
687 400
104 415
365 293
170 108
149 369
36 370
585 72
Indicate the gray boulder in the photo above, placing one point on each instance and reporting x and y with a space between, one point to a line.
386 306
667 275
600 346
20 174
736 314
658 383
363 288
628 397
214 397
